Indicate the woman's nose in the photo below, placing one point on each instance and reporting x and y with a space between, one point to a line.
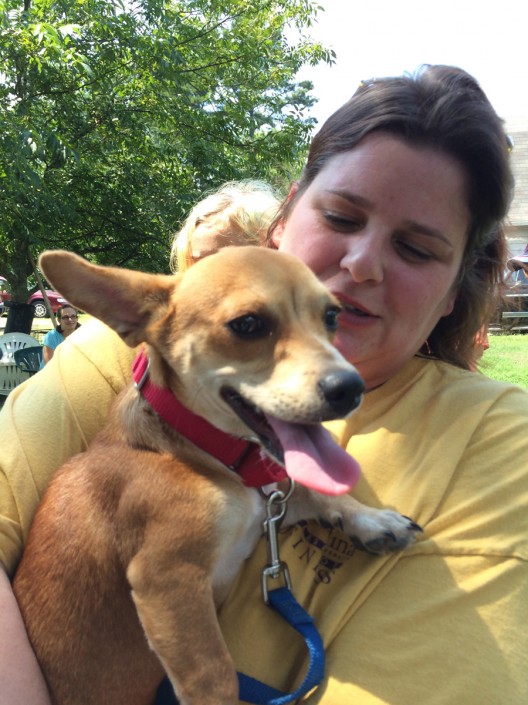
364 258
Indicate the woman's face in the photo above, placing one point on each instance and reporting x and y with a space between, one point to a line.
68 320
384 226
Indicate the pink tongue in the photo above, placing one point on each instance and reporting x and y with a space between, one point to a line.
314 459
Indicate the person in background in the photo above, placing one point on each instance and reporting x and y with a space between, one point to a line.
399 211
238 213
67 319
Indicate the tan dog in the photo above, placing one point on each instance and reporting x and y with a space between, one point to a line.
137 540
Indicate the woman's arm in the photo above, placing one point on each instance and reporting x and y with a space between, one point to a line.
45 421
47 353
21 680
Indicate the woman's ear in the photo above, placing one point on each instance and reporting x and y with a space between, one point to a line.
276 235
279 228
450 305
293 190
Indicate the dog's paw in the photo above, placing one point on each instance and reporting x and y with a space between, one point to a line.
378 531
384 530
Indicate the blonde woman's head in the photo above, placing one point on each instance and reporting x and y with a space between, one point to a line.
239 213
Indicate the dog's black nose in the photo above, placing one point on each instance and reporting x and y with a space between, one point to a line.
342 391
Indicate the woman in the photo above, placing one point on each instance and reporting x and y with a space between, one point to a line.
399 211
68 322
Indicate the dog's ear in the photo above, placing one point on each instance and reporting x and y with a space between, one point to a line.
126 300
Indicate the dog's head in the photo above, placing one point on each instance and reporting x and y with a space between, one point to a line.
243 338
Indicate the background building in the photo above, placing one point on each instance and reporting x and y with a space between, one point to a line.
517 229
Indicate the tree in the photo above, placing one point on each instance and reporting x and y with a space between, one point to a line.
115 117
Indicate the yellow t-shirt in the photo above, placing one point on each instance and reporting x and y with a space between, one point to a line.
445 621
442 623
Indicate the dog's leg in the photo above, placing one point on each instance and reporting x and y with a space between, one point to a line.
374 530
177 611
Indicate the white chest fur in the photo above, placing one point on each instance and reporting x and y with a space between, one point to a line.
245 530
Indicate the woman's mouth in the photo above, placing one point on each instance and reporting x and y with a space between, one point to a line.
356 311
354 308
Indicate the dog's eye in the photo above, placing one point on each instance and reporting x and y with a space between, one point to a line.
330 317
250 326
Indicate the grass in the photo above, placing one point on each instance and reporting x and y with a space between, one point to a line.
507 358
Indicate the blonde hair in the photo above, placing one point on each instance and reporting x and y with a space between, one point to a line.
240 211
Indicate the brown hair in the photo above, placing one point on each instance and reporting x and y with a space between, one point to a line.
442 108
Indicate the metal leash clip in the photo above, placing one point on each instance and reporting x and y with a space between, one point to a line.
276 506
285 605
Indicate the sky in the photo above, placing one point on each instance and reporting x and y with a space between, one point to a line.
390 37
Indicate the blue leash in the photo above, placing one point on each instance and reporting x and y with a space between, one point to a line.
258 693
284 603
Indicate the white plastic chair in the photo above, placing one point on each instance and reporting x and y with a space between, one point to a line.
14 341
10 377
10 374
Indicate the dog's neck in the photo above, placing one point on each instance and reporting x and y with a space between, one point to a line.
247 459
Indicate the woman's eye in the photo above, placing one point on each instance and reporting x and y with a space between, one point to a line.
250 326
341 222
414 253
330 318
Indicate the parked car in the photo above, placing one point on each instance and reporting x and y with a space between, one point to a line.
513 313
36 299
39 307
4 294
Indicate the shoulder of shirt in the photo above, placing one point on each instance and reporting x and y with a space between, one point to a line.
434 377
98 346
469 387
424 386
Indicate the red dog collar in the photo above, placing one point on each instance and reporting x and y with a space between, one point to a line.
243 457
